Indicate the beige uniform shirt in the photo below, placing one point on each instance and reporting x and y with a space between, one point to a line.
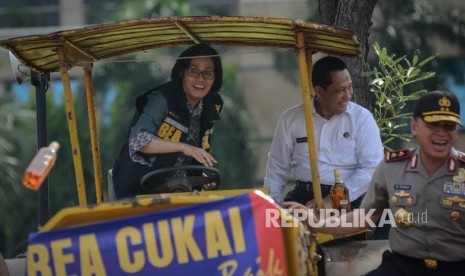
436 204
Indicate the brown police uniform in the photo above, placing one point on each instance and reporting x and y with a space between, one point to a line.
429 211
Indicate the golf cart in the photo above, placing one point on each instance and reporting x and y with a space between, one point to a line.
223 232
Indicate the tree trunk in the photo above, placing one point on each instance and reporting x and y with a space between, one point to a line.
356 16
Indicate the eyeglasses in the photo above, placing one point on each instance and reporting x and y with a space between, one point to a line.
195 73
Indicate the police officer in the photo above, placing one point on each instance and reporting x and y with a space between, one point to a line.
424 189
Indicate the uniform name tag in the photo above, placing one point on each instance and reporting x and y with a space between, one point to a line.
402 187
301 140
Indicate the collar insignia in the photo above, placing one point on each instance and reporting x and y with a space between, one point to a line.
451 165
413 164
396 155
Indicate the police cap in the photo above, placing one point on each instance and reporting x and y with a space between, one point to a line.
438 106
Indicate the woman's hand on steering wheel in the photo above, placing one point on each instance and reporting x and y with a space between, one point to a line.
199 154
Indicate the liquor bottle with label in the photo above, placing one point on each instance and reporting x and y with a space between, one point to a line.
40 166
340 193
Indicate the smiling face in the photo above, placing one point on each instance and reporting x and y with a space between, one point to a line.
335 98
435 139
197 87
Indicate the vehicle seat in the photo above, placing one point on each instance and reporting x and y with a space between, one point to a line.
3 267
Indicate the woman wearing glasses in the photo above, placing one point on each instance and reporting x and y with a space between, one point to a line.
173 122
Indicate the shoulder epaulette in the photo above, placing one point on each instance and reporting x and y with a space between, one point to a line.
396 155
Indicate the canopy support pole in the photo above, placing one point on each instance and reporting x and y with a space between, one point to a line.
40 81
308 95
93 134
71 116
305 68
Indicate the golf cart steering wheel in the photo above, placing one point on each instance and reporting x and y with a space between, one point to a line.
151 182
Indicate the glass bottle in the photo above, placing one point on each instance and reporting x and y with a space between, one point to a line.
40 166
340 193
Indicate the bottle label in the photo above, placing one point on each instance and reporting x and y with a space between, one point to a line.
344 202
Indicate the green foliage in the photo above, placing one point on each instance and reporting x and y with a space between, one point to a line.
395 85
17 204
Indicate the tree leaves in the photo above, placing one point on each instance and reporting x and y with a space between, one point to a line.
394 87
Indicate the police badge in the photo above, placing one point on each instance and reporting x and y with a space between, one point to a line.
460 177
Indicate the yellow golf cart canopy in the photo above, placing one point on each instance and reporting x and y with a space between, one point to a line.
86 45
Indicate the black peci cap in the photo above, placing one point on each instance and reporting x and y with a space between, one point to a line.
438 106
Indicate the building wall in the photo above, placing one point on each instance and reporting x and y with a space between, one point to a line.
72 12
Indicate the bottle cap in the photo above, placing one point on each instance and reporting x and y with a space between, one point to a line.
54 145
